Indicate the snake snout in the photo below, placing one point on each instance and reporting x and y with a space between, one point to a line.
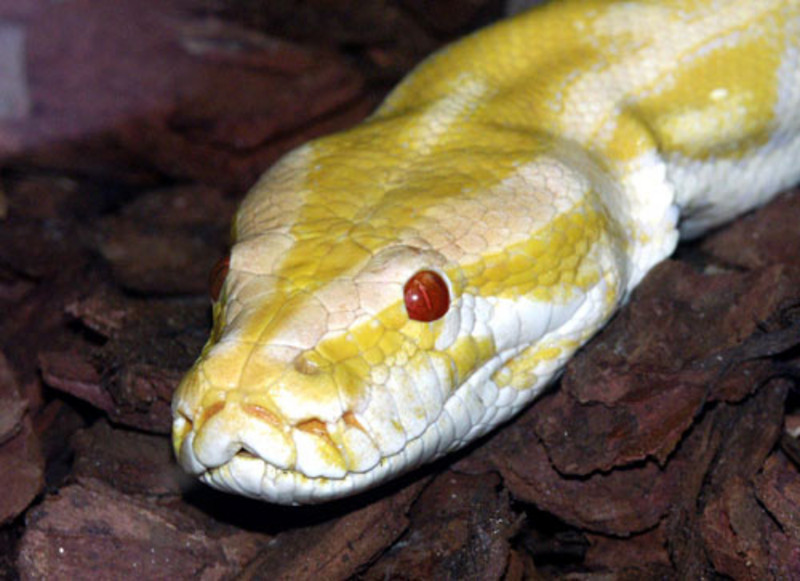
233 428
255 428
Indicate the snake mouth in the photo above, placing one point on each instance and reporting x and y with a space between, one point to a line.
311 446
255 465
249 474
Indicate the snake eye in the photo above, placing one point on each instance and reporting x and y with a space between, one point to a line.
426 296
216 277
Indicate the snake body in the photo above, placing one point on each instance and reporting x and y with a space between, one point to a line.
534 171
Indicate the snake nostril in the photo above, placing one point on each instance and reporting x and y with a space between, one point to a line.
305 366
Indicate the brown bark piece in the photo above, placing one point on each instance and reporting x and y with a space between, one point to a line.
734 532
167 241
23 248
130 462
339 548
70 373
642 556
136 395
767 236
686 338
750 435
150 345
95 531
460 529
582 438
778 488
21 462
12 406
132 357
22 473
618 503
742 541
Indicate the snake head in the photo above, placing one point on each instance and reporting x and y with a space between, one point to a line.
311 391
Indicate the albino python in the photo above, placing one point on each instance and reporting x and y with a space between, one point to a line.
398 289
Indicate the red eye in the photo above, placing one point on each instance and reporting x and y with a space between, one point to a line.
426 296
216 277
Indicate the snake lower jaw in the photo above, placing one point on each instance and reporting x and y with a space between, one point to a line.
232 432
297 474
249 475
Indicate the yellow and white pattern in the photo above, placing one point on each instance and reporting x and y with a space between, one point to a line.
541 167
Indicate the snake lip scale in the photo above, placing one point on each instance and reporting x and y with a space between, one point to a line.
399 289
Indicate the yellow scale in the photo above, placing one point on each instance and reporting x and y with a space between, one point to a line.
399 289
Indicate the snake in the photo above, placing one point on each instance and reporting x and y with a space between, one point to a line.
397 290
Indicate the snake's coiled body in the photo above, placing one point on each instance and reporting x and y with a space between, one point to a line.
538 170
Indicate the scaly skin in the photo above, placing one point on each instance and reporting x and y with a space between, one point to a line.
539 166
